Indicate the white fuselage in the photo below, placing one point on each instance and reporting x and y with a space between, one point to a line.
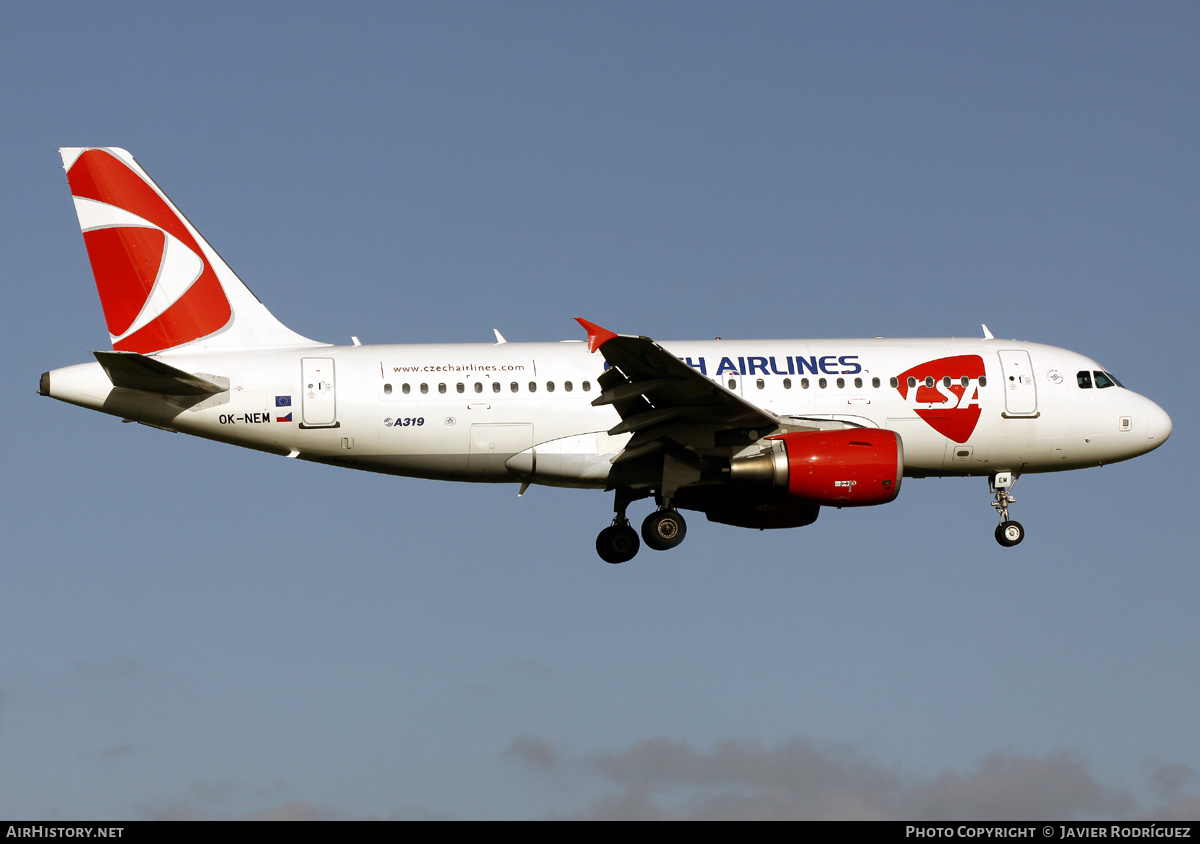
523 411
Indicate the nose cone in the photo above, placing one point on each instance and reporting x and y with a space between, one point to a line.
1158 426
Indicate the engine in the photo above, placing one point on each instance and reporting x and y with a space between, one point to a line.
852 467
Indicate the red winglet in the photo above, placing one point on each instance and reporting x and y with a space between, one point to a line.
597 336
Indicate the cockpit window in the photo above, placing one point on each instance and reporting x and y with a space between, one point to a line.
1103 379
1114 380
1084 379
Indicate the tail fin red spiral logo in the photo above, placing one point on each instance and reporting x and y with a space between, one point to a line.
156 286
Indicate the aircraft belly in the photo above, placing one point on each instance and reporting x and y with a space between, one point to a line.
437 467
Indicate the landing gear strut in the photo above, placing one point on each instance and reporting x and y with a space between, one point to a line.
1008 532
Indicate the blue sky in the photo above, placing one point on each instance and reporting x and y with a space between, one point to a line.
194 631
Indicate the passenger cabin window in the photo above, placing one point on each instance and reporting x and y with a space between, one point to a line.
533 386
841 382
568 386
587 386
858 383
404 389
803 383
1084 379
549 386
495 386
479 386
875 383
513 386
441 388
424 388
787 383
822 383
462 388
760 383
387 389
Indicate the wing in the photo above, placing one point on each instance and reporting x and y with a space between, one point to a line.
665 403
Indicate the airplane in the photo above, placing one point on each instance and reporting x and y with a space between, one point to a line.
752 433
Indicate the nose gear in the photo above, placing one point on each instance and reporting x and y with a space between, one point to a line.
1008 532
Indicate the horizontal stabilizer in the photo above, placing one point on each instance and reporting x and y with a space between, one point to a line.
139 372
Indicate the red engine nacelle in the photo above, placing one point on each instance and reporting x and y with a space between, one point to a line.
851 467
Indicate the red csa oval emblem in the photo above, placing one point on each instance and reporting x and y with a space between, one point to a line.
951 404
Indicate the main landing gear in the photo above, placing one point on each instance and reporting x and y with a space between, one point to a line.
617 543
662 530
1008 532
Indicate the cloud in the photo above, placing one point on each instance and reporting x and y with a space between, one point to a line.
1167 777
413 813
120 750
1185 809
744 780
230 800
659 779
1011 787
297 810
532 752
216 792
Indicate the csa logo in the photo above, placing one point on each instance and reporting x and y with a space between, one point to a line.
945 393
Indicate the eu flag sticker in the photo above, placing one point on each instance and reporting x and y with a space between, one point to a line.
283 401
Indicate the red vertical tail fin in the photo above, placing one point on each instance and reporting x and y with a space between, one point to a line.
161 285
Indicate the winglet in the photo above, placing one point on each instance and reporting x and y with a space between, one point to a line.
597 336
